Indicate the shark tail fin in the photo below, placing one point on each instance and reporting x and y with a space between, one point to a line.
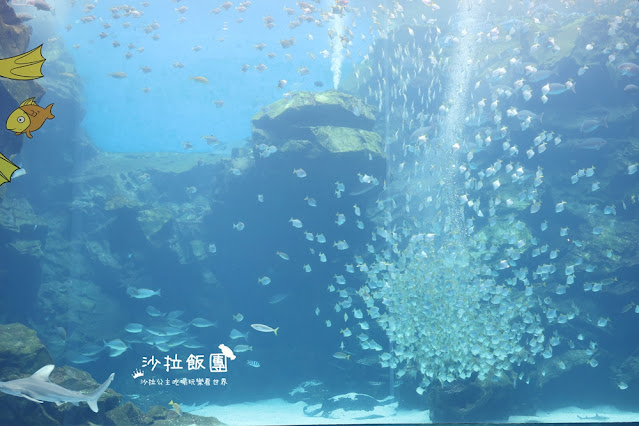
92 398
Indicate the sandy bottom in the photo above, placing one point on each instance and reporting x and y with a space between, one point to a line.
603 413
280 412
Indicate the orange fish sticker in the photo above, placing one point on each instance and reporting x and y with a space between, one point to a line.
28 117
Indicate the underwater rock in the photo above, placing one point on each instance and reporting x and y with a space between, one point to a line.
163 416
18 213
290 116
345 139
18 220
153 220
28 247
308 130
305 122
129 414
200 250
463 401
63 82
20 351
353 406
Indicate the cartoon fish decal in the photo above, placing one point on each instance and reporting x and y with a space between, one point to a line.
7 168
28 117
26 66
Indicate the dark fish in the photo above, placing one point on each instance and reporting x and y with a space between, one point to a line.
591 143
628 307
541 75
591 125
319 84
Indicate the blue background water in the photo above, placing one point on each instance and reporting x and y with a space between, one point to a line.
120 117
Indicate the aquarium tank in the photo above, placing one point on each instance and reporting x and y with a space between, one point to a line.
300 212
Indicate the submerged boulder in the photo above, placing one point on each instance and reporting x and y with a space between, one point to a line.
329 122
21 352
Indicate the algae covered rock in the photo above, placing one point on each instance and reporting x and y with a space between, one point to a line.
317 123
21 352
291 117
128 413
163 416
152 220
345 139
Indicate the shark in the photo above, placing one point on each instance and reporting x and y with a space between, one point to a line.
38 388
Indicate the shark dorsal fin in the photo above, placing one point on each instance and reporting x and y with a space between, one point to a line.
44 372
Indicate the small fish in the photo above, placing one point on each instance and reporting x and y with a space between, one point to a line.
239 317
264 280
202 323
341 245
236 334
265 328
199 79
631 88
242 348
591 143
176 407
153 311
142 293
118 74
300 173
211 140
283 255
134 327
253 363
277 298
238 226
341 355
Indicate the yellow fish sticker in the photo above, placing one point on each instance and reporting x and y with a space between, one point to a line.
26 66
28 117
7 168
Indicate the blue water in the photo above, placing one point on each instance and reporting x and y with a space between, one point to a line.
121 117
